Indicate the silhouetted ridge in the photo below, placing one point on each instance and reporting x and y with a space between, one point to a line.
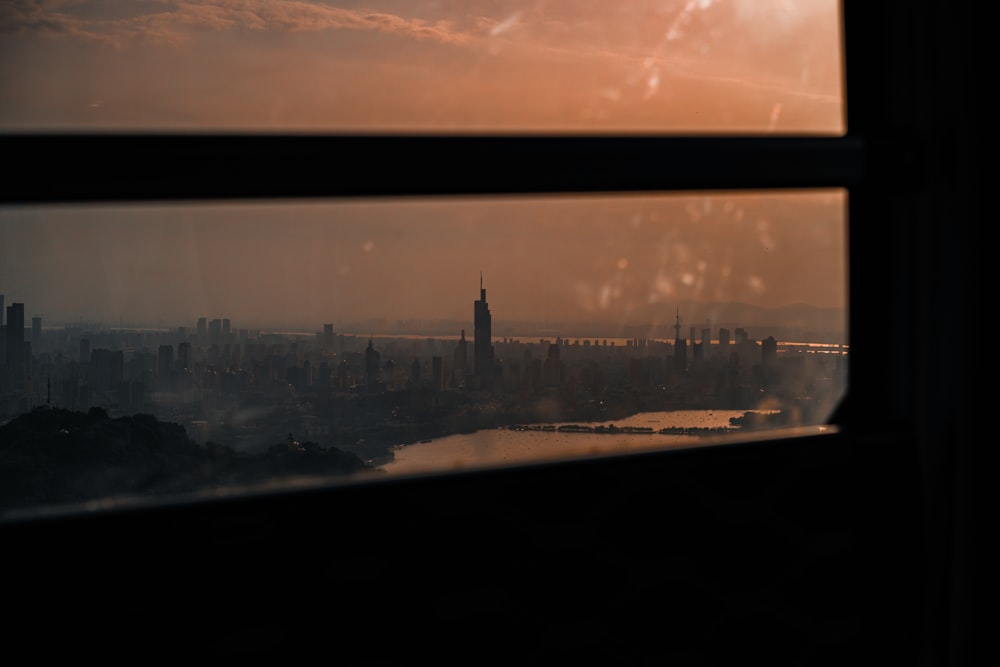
52 456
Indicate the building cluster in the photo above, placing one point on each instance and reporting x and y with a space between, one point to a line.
213 372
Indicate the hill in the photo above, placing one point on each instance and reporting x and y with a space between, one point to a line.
51 456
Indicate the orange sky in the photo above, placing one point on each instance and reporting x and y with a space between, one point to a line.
620 259
674 65
760 66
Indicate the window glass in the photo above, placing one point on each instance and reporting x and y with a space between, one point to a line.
150 350
759 66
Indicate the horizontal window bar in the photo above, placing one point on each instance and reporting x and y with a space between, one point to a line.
111 167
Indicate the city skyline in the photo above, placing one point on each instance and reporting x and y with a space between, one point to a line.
620 260
247 65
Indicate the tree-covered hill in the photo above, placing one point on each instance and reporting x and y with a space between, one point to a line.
52 456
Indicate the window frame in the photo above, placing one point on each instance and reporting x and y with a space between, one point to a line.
901 442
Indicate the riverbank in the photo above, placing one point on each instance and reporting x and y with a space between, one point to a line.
462 414
521 443
623 430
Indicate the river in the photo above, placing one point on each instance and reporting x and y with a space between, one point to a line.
503 446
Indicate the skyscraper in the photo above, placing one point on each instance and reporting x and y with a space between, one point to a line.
215 332
184 355
372 357
769 349
482 341
165 366
437 372
328 337
202 335
15 344
36 334
552 368
3 337
461 356
680 346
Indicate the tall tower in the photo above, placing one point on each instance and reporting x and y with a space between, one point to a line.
482 340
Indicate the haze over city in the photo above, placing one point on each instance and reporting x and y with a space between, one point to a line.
619 260
724 66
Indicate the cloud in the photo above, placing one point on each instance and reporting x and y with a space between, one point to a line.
173 21
391 63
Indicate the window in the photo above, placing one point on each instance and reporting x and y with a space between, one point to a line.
819 545
623 310
614 323
508 66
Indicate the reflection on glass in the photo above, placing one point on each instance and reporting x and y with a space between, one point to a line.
506 65
151 350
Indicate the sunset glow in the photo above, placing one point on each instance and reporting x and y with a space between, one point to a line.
673 65
670 66
622 260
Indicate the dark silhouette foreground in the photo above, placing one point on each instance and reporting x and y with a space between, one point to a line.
51 456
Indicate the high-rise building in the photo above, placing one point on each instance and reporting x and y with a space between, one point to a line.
372 368
15 344
164 365
552 369
3 335
184 355
107 369
215 332
461 356
328 337
482 341
769 351
697 353
36 333
437 372
680 346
